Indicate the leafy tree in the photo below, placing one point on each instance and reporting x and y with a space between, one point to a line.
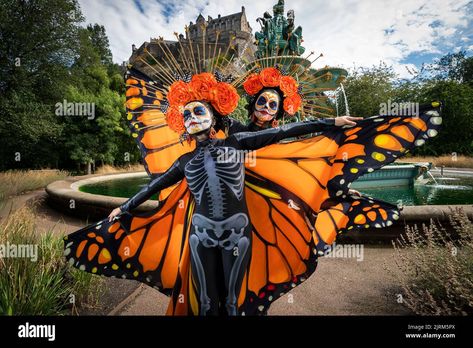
453 66
456 135
37 45
367 88
57 59
95 81
448 81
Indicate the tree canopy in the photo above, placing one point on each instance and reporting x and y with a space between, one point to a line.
450 80
48 58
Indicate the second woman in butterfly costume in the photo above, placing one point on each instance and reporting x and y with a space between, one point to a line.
220 233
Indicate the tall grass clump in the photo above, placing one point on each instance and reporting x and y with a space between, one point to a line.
13 182
434 266
455 161
109 169
44 284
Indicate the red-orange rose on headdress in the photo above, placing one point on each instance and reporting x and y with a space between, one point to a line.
292 104
288 85
175 119
270 77
201 86
179 93
225 98
252 85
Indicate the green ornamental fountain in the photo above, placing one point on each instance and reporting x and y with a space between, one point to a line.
280 42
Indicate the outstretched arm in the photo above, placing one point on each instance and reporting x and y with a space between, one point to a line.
256 140
173 175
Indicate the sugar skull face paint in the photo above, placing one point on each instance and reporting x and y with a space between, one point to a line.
197 117
267 105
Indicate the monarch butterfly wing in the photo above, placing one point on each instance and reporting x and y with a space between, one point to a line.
159 145
300 167
304 174
283 249
319 170
147 248
377 141
352 212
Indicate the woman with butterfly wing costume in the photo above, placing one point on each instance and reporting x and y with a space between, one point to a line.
231 236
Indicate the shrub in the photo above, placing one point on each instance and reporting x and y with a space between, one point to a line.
435 267
43 286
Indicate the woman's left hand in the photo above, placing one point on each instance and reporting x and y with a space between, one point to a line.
346 120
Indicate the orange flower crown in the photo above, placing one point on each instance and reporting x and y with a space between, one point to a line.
273 78
202 87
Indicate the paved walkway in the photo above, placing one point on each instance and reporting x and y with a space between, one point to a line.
340 286
46 218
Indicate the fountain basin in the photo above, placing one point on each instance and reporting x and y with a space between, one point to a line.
329 77
392 175
66 196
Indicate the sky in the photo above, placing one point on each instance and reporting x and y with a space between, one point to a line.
349 33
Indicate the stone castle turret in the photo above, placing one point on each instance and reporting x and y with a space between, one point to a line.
235 25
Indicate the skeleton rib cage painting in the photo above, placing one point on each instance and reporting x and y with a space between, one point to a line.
230 235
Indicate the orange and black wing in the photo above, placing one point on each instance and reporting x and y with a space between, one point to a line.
298 200
319 170
283 246
288 235
372 144
159 145
146 247
351 212
377 141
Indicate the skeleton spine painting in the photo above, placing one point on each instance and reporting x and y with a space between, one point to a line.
231 236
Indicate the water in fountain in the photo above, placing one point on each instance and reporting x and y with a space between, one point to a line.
336 95
433 178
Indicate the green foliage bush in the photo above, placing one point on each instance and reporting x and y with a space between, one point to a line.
435 267
47 285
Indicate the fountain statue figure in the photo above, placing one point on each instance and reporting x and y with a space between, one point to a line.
278 35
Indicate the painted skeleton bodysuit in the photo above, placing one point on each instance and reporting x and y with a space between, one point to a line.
220 232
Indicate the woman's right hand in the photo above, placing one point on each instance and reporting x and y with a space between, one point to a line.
346 120
114 213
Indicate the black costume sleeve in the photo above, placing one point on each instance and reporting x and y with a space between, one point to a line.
236 126
172 176
256 140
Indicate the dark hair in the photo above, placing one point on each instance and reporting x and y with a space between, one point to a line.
252 101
